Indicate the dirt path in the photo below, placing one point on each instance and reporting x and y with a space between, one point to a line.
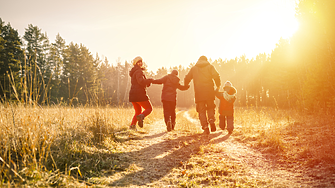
155 158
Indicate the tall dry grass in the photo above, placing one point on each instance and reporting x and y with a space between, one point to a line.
62 146
43 145
262 127
296 136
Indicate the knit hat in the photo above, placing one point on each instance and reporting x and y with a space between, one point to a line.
175 72
228 84
136 59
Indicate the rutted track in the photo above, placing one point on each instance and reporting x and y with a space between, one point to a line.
151 159
257 164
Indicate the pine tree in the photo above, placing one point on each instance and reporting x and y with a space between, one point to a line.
80 74
55 60
11 55
37 69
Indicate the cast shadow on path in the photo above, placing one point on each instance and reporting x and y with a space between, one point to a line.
155 135
157 160
220 139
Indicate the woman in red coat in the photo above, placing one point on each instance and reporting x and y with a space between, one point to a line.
137 94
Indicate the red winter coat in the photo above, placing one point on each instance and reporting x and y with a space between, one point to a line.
226 108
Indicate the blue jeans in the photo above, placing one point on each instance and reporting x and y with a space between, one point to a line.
229 120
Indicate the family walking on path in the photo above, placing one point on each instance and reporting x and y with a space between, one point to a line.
204 75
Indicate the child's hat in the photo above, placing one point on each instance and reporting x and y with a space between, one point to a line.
137 59
228 84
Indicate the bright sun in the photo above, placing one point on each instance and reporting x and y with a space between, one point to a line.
250 31
290 27
284 20
229 30
263 28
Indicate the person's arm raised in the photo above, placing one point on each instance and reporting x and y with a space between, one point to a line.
142 80
160 81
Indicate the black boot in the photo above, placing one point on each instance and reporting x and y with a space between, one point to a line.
206 131
213 127
140 119
173 125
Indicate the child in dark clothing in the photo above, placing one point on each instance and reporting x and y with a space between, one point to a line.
226 109
169 97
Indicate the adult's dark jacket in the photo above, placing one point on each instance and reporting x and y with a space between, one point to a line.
139 83
203 74
170 85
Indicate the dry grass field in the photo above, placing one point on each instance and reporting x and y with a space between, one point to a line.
82 147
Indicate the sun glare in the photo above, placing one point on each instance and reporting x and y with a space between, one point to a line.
250 30
291 26
281 16
227 33
272 21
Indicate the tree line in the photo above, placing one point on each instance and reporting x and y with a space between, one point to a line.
297 74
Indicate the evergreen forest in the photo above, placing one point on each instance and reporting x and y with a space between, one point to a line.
299 72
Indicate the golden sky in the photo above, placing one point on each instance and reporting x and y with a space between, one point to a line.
164 32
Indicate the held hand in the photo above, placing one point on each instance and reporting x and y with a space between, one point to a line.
184 87
150 80
218 93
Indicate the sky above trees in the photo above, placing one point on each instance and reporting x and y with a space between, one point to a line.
164 33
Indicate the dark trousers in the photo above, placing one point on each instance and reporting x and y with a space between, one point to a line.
226 120
169 109
206 112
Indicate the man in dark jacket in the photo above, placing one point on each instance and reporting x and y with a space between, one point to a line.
169 97
203 74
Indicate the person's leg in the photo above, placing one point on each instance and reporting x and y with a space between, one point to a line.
147 107
201 109
211 114
138 110
230 124
173 114
147 110
222 123
166 112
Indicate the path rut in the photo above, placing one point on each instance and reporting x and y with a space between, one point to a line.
152 158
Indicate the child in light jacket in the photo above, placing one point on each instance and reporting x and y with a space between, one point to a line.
226 108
